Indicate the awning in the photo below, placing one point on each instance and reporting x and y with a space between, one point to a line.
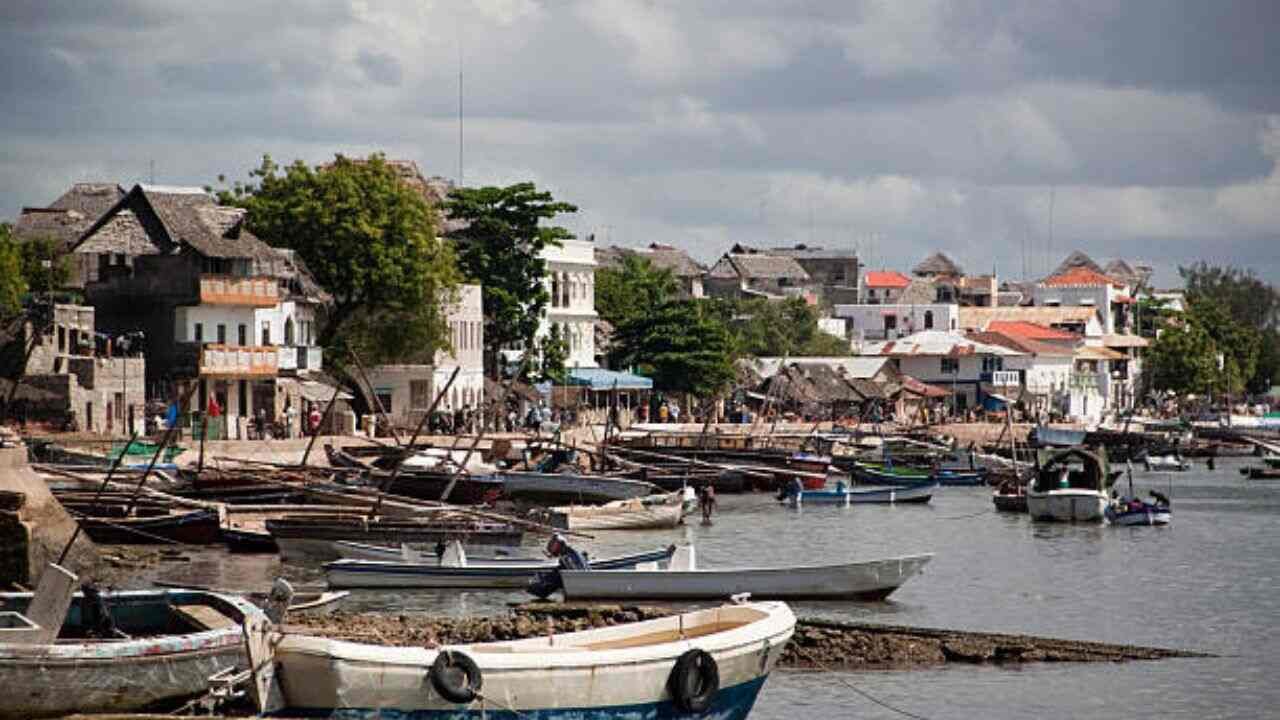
602 379
314 391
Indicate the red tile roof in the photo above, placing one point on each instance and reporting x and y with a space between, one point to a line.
887 279
1081 277
1029 330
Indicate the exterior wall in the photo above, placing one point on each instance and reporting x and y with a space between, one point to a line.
210 317
1042 375
71 336
466 333
411 389
867 321
965 382
1100 297
882 295
571 283
291 327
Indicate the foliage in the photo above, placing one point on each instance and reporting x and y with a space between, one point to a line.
681 344
1268 373
1238 342
44 267
368 238
771 328
554 351
634 286
501 247
1183 360
1242 301
1247 299
13 282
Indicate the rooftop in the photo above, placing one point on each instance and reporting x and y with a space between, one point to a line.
935 343
1035 348
1081 277
978 318
938 263
886 279
1029 330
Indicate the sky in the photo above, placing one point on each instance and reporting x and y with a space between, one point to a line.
1005 133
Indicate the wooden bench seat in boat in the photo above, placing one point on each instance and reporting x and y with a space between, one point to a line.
202 616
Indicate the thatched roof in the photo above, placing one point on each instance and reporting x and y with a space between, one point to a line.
938 263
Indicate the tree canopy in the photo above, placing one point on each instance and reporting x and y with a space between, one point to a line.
13 283
633 287
1242 314
1183 360
500 247
773 328
369 239
680 344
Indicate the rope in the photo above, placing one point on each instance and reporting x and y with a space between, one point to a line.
839 678
485 699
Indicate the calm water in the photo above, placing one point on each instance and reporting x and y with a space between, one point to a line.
1210 582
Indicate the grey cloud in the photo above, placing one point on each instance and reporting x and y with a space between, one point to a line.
380 67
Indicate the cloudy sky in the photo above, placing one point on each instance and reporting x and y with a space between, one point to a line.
1004 132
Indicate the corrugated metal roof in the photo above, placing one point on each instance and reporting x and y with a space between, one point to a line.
935 343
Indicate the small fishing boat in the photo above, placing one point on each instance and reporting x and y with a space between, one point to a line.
189 527
116 652
888 474
866 580
1166 463
562 488
455 570
401 553
1070 487
314 536
302 602
915 493
1260 473
1137 511
646 513
707 663
1272 461
1010 497
246 540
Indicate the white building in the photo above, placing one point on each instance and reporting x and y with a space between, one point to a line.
946 359
889 322
571 282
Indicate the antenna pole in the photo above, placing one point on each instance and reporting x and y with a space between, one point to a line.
461 173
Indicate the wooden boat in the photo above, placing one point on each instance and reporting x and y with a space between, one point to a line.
882 474
424 476
1042 436
305 602
650 512
1166 463
1130 511
361 551
915 493
1064 492
559 489
131 651
463 573
1010 497
867 580
1272 461
191 527
313 537
246 540
1260 473
707 663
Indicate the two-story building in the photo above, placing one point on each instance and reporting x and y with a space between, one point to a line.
889 322
947 359
745 272
216 305
571 282
833 272
884 287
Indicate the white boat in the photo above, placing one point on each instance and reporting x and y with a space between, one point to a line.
867 580
708 663
1166 463
152 647
1070 487
653 511
363 551
556 488
1126 512
459 572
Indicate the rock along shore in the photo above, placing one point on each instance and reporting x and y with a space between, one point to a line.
817 644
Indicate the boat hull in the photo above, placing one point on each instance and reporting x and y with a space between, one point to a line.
921 493
1008 502
1146 516
303 538
564 677
504 575
873 580
1070 505
198 527
555 489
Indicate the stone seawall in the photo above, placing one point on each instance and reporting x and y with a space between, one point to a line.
34 534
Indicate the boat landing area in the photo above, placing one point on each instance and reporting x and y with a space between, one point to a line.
817 644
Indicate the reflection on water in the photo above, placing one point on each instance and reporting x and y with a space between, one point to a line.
1211 582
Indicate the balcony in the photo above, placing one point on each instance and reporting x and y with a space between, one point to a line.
299 358
238 362
263 292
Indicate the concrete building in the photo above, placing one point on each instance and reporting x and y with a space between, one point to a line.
889 322
571 282
947 359
884 287
216 305
745 272
834 273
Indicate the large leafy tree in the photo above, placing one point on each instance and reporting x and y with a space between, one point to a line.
1183 360
369 239
681 344
45 268
1247 303
13 282
500 246
779 328
632 287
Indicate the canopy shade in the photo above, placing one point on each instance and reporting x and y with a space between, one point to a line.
601 379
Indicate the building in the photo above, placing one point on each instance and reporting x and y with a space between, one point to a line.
889 322
1078 320
215 304
884 287
67 217
1043 371
571 282
745 272
947 359
834 273
687 272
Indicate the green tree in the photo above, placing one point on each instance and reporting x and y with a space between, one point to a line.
1238 342
1246 298
681 345
634 286
1183 360
772 328
553 351
368 238
500 247
13 282
45 268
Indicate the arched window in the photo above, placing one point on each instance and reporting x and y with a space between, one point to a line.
928 319
288 332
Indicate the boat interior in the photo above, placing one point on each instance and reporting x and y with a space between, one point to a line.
654 632
107 617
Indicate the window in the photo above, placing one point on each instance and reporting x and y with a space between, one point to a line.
266 332
199 336
890 322
120 259
384 397
222 334
62 339
928 319
420 394
992 364
244 397
243 335
950 366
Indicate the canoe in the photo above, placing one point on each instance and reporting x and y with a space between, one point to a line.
559 489
314 536
707 663
474 574
175 640
303 602
655 511
1014 502
195 527
917 493
244 540
869 580
1260 473
878 474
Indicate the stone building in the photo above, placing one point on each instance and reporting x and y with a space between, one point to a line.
834 273
746 272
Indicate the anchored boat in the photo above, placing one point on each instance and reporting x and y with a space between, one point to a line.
1070 487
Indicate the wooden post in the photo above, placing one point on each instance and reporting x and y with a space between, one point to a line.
316 431
502 397
395 472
